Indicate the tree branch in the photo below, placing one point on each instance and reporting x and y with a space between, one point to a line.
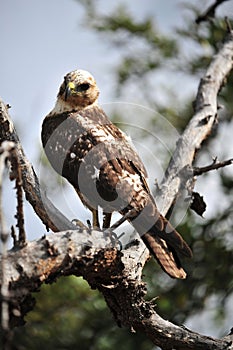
5 152
179 170
214 166
210 12
117 274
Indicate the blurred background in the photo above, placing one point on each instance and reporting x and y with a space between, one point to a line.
148 58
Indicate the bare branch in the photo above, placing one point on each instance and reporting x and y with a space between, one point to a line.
214 166
116 274
5 152
199 127
210 12
228 24
16 174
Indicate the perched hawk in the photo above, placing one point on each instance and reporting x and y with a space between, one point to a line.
100 162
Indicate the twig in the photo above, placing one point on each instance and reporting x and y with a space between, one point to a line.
13 236
210 12
20 214
5 152
215 165
228 23
16 174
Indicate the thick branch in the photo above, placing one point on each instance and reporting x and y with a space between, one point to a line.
93 256
199 127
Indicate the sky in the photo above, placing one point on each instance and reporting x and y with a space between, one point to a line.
40 42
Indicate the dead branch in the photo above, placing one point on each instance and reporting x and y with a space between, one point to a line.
214 166
91 254
16 174
116 274
210 12
179 170
6 150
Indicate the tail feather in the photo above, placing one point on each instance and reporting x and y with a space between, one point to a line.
166 256
172 237
165 243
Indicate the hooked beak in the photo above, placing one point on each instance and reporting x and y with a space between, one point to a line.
70 87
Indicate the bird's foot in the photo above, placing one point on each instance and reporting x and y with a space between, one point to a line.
109 233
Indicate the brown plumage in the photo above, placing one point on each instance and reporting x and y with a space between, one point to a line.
100 162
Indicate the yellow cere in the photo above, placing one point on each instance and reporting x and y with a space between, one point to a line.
71 85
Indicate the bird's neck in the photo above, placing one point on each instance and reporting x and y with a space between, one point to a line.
62 106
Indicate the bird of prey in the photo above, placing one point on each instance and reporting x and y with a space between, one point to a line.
101 163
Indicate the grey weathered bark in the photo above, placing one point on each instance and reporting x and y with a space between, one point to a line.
180 168
94 255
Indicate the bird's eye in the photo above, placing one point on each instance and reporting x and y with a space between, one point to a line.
83 87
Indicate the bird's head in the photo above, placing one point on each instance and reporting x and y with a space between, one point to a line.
78 90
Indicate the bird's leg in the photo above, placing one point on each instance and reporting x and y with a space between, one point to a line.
109 231
131 213
95 218
107 220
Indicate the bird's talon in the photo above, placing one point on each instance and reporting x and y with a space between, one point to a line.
113 237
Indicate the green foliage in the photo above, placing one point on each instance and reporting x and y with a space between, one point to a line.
206 37
143 47
69 315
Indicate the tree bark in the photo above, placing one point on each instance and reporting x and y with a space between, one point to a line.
96 255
